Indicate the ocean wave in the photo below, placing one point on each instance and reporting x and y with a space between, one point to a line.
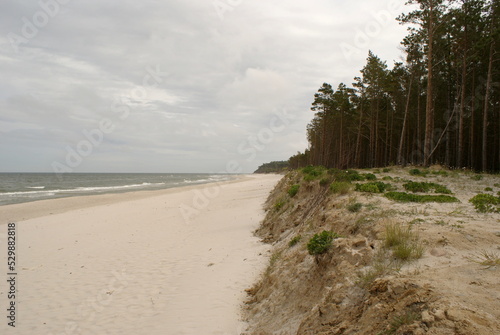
77 190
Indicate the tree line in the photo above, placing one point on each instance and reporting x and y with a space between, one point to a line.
440 106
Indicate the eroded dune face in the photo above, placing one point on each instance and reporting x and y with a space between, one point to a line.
362 284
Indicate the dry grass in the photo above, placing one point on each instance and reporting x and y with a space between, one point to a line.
403 242
486 259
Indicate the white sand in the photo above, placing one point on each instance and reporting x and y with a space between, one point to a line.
134 263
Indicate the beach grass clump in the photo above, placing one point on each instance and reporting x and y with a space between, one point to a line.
354 207
320 243
487 259
405 197
424 187
403 242
294 241
325 181
486 203
373 187
386 170
292 191
477 177
340 187
488 189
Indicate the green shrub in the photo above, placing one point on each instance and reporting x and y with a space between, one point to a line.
387 178
417 172
369 176
320 243
477 177
386 170
441 189
292 191
340 187
373 187
355 207
324 181
405 197
486 203
294 241
313 172
488 189
425 187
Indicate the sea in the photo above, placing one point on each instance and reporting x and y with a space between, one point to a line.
26 187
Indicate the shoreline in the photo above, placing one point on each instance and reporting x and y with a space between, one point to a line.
45 207
131 263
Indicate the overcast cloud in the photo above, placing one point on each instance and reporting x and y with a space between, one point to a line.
175 86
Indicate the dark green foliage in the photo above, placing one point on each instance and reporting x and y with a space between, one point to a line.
320 243
486 203
292 191
294 241
477 177
386 170
387 178
488 189
417 172
325 181
273 167
369 176
355 207
313 172
405 197
425 187
373 187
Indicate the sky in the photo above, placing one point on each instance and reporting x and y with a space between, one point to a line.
217 86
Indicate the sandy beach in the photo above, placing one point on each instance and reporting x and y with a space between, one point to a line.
165 262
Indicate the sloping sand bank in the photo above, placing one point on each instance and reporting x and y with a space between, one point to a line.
167 262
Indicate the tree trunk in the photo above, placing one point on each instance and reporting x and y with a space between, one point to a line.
403 130
358 139
429 108
485 109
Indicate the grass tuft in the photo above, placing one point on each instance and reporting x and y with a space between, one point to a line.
403 242
294 241
487 259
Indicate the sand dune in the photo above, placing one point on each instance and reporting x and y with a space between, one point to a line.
169 262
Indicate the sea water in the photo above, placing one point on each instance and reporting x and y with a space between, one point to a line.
26 187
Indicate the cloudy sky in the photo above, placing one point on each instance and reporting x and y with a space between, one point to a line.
175 85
